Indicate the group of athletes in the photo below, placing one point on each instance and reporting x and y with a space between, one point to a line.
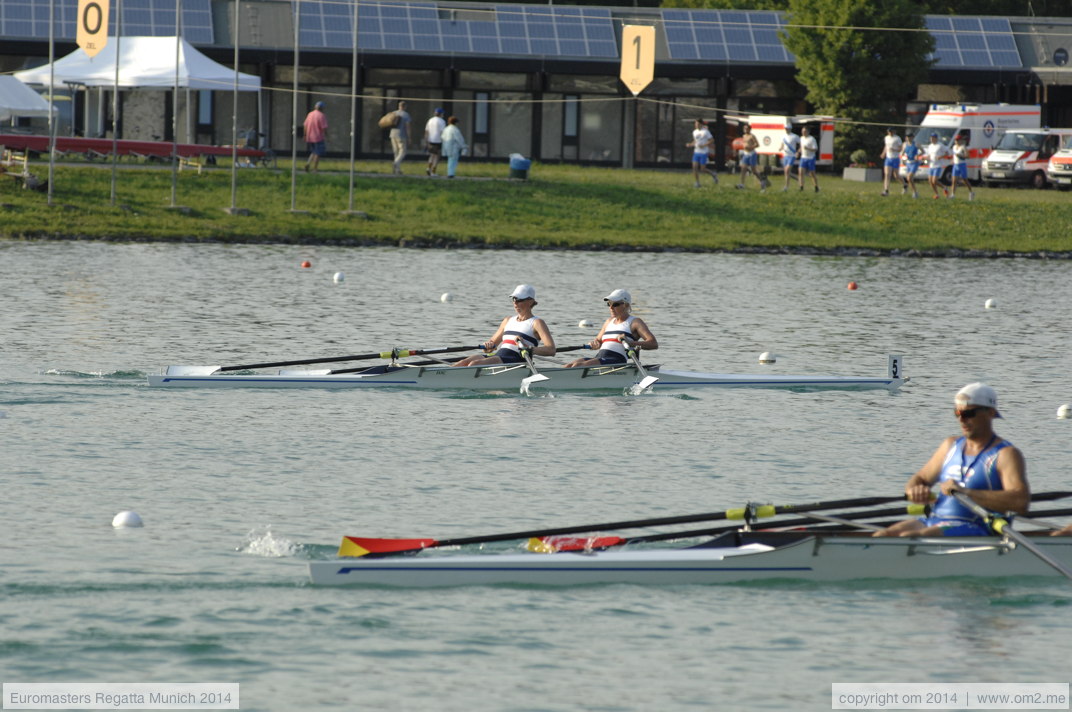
895 152
801 150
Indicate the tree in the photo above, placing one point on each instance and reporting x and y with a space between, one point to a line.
859 74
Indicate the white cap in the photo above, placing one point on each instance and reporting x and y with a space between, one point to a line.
618 295
977 394
524 291
789 127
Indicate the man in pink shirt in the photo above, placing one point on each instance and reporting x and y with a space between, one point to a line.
316 129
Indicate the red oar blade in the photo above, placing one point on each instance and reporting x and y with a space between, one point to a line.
553 544
363 546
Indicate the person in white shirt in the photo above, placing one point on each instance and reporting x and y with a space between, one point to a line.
790 147
960 166
433 139
809 149
701 143
891 159
936 154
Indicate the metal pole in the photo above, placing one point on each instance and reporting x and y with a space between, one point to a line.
294 111
115 94
51 89
234 115
353 109
175 107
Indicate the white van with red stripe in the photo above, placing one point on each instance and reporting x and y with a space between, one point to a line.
982 124
1022 156
769 131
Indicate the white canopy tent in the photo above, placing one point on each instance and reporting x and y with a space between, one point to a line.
17 99
144 62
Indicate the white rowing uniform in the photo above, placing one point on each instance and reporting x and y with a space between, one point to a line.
614 332
520 334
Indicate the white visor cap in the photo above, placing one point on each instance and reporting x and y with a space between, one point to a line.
524 291
977 394
618 295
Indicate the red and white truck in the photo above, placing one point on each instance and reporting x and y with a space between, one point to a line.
982 124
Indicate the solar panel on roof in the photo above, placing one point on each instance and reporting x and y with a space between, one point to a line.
29 19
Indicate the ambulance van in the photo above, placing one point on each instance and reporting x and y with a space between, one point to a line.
769 131
982 124
1023 156
1059 170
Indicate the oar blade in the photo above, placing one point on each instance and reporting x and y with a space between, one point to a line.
648 382
354 546
191 370
527 381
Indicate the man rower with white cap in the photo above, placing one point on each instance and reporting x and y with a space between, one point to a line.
517 332
981 465
618 331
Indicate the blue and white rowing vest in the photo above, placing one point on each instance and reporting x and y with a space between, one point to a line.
974 472
615 331
520 334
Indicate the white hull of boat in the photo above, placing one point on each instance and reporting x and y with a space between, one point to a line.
509 378
816 558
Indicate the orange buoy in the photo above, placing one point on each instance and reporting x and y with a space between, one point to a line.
306 264
852 286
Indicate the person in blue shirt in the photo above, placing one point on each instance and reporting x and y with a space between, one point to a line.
979 464
910 161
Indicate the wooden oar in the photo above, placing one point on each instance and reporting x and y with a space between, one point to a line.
646 381
362 546
1000 525
393 353
536 376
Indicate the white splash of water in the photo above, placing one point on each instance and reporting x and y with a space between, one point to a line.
262 542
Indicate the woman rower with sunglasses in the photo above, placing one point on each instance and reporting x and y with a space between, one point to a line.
980 465
520 331
619 330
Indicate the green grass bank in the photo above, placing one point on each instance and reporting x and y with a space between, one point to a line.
569 207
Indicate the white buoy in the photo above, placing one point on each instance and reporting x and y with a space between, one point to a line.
1064 412
126 519
446 297
585 324
990 304
339 277
767 357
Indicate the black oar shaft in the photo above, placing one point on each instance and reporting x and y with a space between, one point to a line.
661 521
354 357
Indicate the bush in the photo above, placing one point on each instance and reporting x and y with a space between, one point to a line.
858 157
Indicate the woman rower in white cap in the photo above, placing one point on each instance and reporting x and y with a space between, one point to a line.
521 331
621 329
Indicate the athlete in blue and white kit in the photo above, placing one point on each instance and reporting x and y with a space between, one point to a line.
790 147
620 330
891 158
701 144
910 160
521 331
960 166
980 465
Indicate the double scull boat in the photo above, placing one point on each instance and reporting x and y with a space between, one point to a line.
511 377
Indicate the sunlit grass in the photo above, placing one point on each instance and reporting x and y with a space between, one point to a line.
560 206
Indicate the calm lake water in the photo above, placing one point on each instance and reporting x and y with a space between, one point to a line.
240 489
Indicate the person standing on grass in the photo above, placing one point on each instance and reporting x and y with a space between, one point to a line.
701 143
750 159
960 166
891 159
433 138
790 148
400 137
910 159
453 145
316 132
809 149
936 154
